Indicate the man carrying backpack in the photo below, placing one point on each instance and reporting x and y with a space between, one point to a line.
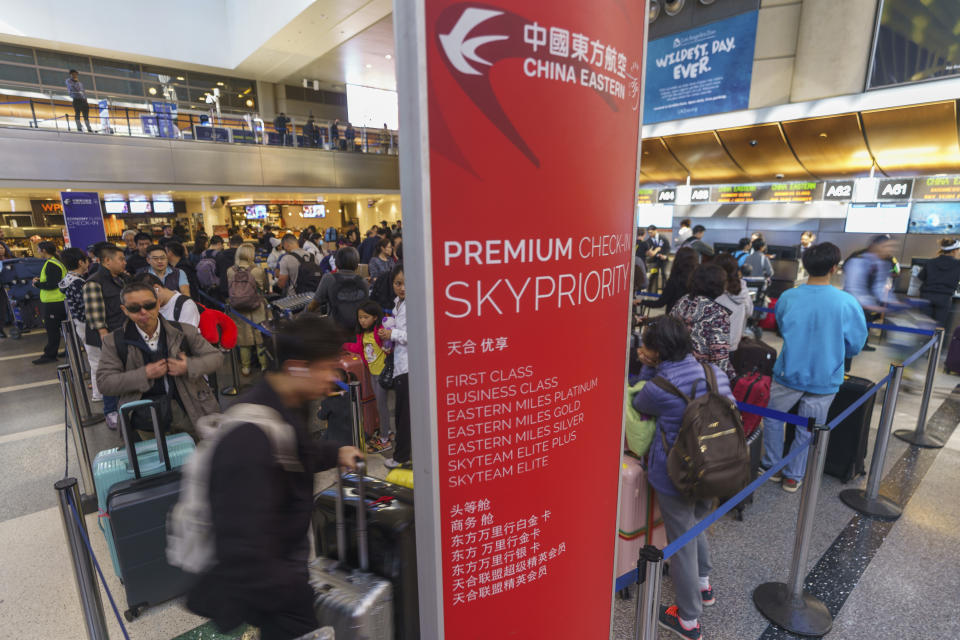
341 293
298 272
247 494
821 325
692 402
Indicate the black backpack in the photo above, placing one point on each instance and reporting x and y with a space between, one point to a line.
308 275
346 296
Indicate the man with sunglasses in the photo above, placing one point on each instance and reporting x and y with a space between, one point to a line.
151 358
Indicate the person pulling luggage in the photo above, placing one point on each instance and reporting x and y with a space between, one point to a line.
253 480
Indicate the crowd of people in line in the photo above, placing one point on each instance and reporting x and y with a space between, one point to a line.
139 313
707 307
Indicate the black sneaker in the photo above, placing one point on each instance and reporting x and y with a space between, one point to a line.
670 620
867 347
707 597
777 477
44 360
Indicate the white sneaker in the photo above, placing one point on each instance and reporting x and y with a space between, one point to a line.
113 418
96 397
390 463
245 371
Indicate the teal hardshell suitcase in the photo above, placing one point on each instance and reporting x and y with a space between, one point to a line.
113 466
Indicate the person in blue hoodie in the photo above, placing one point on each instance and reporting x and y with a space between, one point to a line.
666 350
821 326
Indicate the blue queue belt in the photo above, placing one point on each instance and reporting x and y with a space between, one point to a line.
630 577
870 325
228 310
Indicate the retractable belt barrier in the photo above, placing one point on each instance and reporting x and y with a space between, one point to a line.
770 597
227 309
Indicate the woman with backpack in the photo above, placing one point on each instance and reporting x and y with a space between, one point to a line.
666 352
246 283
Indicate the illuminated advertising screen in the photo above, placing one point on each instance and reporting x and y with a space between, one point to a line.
138 206
256 211
314 211
116 207
162 206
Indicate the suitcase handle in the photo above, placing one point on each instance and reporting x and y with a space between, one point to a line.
127 431
362 550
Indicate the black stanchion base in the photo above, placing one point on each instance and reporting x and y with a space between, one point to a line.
802 614
88 504
879 507
229 391
923 440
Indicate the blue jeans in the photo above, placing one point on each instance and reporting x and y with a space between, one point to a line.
812 405
110 404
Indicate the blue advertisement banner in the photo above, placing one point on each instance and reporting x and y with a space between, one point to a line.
701 71
83 218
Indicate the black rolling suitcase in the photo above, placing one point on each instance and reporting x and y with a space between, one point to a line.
392 541
755 446
847 451
138 521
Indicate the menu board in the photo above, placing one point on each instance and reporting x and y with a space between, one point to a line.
734 193
646 195
937 188
787 192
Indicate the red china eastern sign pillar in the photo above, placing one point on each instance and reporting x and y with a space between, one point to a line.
520 126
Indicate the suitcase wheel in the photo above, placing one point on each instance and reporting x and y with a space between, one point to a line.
134 612
624 594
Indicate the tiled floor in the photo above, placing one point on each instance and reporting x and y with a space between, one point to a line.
908 589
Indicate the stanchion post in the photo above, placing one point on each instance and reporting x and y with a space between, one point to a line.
85 416
89 500
788 605
90 602
235 372
650 572
920 437
356 408
869 502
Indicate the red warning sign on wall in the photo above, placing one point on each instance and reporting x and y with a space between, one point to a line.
534 114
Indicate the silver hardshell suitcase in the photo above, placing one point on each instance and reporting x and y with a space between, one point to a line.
355 602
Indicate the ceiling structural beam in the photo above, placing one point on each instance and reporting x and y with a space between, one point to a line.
319 29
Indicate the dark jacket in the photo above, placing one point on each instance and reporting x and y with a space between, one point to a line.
261 515
940 276
110 289
368 248
136 263
672 292
336 410
224 261
698 245
668 409
191 271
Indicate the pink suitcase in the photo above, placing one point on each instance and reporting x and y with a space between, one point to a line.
638 511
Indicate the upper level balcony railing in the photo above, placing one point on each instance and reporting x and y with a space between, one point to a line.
122 117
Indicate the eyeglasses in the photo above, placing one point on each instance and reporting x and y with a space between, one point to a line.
135 308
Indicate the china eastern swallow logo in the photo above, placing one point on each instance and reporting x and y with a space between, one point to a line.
473 39
459 48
